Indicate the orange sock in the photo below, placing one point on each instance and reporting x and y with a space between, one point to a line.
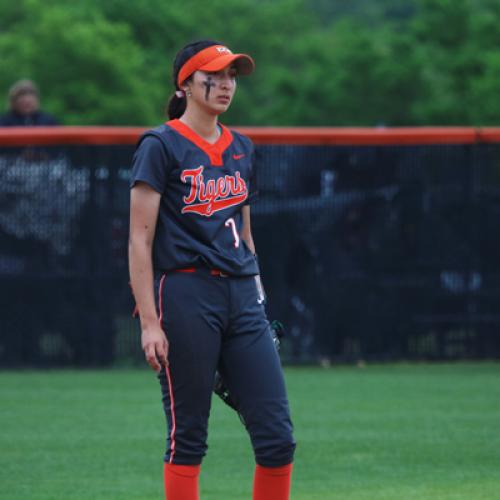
272 483
181 482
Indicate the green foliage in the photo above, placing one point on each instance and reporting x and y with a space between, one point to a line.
87 67
391 62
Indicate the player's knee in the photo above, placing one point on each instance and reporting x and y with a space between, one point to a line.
277 452
187 441
271 432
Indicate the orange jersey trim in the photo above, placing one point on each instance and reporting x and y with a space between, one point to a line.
213 151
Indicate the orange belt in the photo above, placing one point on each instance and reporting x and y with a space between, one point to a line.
213 272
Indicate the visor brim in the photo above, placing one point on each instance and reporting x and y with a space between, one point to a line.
244 64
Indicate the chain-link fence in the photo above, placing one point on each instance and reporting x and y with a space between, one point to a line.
367 252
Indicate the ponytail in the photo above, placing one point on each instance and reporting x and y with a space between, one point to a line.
176 106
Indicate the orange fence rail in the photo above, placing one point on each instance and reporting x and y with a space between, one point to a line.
45 136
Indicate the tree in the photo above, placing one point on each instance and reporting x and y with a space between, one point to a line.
393 62
88 68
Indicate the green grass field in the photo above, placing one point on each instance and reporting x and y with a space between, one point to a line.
380 432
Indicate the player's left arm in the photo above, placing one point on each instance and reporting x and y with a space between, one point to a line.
246 230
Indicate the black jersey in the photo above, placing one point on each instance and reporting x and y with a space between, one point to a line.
204 187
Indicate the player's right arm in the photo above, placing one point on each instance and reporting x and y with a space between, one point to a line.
144 207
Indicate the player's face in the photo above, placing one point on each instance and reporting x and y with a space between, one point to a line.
213 91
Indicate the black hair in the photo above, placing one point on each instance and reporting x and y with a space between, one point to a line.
177 105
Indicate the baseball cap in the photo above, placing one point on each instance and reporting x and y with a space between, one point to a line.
215 58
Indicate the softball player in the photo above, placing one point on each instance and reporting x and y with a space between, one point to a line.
195 276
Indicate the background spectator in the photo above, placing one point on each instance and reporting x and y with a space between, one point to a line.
24 107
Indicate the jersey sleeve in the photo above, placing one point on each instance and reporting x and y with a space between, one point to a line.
253 192
151 164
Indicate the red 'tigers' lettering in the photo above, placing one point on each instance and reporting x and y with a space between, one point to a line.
207 197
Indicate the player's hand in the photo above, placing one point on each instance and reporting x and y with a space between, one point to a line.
155 347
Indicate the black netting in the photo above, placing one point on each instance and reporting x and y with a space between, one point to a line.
378 252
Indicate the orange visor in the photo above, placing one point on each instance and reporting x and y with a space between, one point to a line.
215 58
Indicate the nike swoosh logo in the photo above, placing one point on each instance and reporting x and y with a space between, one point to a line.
238 157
